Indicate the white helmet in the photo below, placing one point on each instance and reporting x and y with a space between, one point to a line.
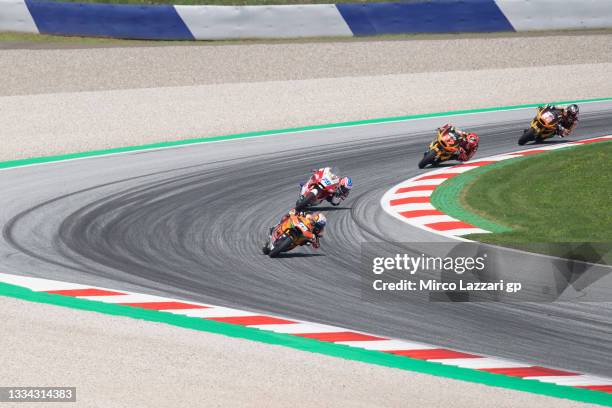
319 221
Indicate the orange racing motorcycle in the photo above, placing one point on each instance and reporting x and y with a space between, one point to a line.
292 232
542 127
443 148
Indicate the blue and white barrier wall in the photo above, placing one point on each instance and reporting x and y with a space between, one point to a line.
164 22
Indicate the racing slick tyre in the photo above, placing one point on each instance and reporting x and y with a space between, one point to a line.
265 249
305 201
280 245
429 158
528 136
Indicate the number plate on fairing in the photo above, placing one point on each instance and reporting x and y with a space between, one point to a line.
328 179
548 117
326 182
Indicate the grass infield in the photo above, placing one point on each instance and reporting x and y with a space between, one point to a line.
561 196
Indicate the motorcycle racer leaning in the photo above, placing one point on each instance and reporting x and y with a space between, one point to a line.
569 118
341 188
315 222
467 143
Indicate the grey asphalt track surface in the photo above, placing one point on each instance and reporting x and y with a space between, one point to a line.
188 222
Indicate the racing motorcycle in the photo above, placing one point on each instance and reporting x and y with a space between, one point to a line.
287 235
542 127
443 148
321 186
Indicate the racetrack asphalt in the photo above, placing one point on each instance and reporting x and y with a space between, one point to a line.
188 222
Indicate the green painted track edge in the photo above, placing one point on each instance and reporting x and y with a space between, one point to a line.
176 143
313 346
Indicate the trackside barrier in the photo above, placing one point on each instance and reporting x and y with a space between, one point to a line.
166 22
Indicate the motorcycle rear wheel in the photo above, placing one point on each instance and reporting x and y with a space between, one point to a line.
280 245
305 202
429 158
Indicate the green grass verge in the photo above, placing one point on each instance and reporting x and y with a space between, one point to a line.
314 346
12 37
18 40
446 199
560 196
31 38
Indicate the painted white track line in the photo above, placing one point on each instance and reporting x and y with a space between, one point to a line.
321 332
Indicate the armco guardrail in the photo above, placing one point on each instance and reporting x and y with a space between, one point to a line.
164 22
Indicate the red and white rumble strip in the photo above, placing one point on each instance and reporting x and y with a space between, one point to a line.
409 201
321 332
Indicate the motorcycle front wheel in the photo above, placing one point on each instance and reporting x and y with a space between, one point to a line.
280 245
528 136
265 249
429 158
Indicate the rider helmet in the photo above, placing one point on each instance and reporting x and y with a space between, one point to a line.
572 110
319 222
346 184
471 141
